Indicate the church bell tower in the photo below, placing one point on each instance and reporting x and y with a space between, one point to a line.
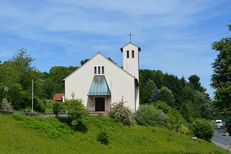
131 59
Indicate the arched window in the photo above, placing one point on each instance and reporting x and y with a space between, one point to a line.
95 70
133 54
127 53
98 69
102 69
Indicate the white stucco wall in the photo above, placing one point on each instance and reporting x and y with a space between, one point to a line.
120 83
130 64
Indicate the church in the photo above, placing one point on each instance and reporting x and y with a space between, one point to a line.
99 82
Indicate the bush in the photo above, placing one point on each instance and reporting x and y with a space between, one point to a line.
176 120
102 137
203 129
75 108
183 130
119 111
39 105
148 115
57 108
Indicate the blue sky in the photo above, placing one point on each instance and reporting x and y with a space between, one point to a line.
175 36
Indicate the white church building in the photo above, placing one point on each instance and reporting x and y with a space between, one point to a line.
100 82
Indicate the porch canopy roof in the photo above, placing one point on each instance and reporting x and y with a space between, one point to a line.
99 87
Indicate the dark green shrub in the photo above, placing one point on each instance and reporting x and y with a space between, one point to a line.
75 108
176 120
76 111
78 125
18 97
203 129
39 105
148 115
67 120
119 111
103 137
57 108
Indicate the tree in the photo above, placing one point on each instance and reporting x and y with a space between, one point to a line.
221 78
146 91
205 105
153 97
194 82
165 95
16 75
54 80
83 61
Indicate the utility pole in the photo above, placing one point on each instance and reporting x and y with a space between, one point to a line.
32 95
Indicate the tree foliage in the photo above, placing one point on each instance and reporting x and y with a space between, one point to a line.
164 94
194 82
176 120
16 80
148 115
189 97
221 78
203 129
54 80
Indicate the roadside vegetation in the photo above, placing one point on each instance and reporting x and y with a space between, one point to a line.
16 138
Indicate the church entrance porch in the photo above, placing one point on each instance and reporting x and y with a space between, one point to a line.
99 95
99 104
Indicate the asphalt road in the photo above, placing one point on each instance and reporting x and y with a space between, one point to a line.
222 139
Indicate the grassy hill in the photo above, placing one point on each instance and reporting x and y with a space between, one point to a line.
47 135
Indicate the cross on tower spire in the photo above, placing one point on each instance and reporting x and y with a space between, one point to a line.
130 36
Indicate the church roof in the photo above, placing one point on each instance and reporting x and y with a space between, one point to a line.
107 60
99 87
139 49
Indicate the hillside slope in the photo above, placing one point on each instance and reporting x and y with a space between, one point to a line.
22 136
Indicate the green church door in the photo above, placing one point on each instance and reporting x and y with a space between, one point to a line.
99 104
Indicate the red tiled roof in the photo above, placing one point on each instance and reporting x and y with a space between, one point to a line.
58 97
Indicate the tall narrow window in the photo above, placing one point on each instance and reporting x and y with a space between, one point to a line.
95 70
133 54
98 69
102 69
127 53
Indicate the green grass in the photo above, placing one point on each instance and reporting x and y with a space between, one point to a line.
29 135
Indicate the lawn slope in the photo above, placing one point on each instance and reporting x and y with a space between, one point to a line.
38 135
